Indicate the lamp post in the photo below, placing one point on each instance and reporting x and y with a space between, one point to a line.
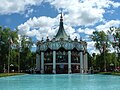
12 65
111 66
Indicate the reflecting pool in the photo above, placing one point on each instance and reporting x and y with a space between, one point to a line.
60 82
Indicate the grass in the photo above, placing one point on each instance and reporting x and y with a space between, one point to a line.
110 73
10 74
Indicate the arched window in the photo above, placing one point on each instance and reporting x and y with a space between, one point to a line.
48 58
61 56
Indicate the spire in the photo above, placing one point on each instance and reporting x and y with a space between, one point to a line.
61 34
61 17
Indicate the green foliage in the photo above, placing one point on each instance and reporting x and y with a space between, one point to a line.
9 38
115 34
101 40
26 56
5 36
89 60
97 61
102 43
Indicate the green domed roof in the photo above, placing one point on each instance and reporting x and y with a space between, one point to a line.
61 34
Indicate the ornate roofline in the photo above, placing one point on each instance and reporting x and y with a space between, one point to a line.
61 40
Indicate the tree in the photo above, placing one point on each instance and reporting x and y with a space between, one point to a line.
25 53
15 50
102 44
7 37
101 41
89 60
114 33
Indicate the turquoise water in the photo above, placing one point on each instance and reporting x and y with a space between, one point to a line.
60 82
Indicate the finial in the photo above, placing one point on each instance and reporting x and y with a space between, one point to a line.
75 38
80 38
69 38
53 37
42 39
47 38
61 17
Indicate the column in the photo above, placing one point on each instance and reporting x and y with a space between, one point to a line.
37 62
42 62
54 62
81 62
86 63
69 62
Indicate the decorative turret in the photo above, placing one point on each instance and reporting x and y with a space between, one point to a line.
61 34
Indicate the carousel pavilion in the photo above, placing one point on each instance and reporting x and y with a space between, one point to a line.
61 54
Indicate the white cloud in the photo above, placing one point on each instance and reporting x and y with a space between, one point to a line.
107 25
90 44
33 32
43 27
86 12
83 12
115 4
88 31
23 28
91 48
17 6
38 27
30 11
34 46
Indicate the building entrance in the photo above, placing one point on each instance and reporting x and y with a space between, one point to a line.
60 69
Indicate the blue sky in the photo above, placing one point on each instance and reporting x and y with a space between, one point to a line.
40 18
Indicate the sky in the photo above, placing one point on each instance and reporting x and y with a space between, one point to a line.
40 18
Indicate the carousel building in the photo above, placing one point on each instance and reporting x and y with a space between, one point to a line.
61 54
